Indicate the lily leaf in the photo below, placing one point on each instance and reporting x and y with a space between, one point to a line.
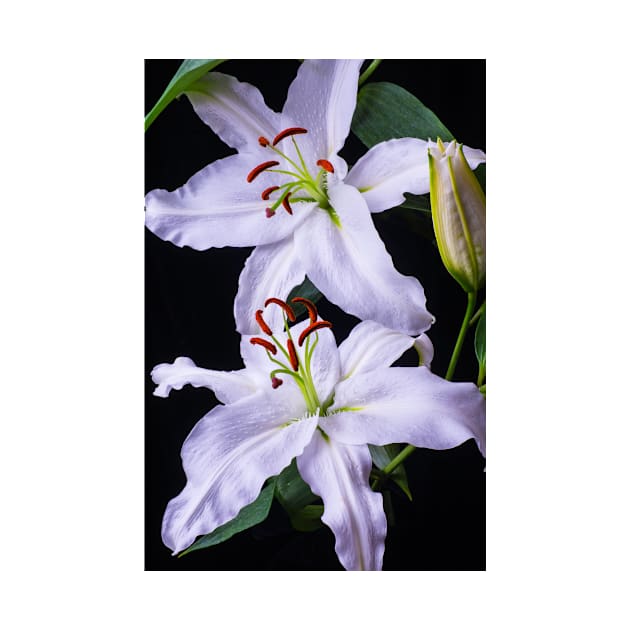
381 456
480 339
385 111
292 491
306 290
249 516
417 202
190 71
308 518
480 172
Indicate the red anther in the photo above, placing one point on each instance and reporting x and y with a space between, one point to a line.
265 193
283 305
255 172
263 142
292 355
269 212
262 323
291 131
310 307
285 204
313 327
264 343
326 165
276 382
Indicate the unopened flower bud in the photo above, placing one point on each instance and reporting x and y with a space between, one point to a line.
458 207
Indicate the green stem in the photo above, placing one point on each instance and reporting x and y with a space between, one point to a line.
368 71
472 299
402 456
482 375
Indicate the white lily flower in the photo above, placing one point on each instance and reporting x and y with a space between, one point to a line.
288 193
301 396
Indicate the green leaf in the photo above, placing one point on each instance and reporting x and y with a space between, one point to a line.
306 290
190 71
480 173
381 456
480 339
308 518
292 491
249 516
417 202
385 111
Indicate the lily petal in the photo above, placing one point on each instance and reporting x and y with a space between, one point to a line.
339 474
390 169
406 405
216 207
371 346
322 99
270 271
227 457
424 348
394 167
351 267
227 386
235 111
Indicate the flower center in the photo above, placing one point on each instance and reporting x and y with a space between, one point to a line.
289 362
302 186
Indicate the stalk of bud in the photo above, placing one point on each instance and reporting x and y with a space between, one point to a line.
458 207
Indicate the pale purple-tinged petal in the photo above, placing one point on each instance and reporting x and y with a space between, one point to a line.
390 169
424 348
474 157
270 271
325 364
227 457
216 207
394 167
371 346
227 386
406 405
322 99
339 474
235 111
351 267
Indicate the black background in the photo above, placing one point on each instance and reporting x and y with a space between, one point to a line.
189 300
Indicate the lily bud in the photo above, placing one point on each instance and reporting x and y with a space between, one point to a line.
458 207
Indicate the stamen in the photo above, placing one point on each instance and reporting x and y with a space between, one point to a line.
265 193
285 203
283 305
312 328
292 355
291 131
264 343
310 307
326 165
263 142
255 172
269 212
262 323
276 382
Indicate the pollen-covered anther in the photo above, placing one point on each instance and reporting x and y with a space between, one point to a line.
285 203
310 307
293 355
255 172
265 193
326 165
283 305
262 323
263 142
285 133
312 328
257 341
269 212
276 382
